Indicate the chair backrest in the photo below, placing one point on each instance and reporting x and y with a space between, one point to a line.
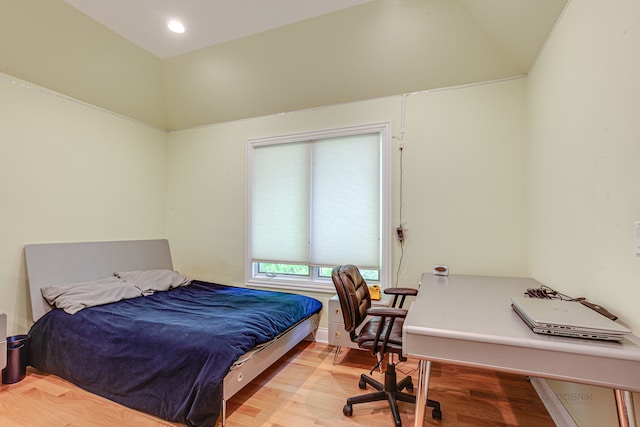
353 294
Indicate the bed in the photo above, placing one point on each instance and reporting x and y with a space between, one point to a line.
179 354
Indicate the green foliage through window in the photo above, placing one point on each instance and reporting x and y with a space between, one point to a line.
305 270
288 269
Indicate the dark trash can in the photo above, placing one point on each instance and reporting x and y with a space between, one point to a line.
17 359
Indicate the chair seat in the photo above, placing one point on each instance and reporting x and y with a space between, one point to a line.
367 336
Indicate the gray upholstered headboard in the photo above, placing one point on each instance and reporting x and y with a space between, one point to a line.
56 263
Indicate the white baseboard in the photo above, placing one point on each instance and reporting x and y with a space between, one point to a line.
556 409
322 335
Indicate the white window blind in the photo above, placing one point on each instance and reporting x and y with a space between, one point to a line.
280 204
318 202
345 201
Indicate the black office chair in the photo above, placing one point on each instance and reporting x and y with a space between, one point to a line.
382 335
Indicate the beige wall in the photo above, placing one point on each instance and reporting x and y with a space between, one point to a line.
354 54
464 182
51 44
70 172
583 102
376 49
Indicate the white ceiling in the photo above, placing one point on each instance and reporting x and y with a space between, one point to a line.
208 22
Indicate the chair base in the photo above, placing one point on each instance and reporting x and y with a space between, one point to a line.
390 391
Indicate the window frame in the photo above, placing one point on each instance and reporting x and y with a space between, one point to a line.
314 282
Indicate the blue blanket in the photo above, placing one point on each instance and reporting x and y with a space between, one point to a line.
165 354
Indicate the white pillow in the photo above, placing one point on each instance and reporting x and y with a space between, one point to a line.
73 297
150 281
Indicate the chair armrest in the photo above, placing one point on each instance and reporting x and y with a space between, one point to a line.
401 291
387 312
396 292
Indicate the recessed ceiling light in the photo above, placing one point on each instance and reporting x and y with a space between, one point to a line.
176 26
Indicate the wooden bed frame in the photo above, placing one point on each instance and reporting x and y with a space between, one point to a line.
57 263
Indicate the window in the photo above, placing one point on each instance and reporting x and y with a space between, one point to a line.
316 200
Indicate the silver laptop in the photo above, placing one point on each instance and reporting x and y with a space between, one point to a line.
566 318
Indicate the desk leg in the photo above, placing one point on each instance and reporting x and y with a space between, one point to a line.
424 370
624 405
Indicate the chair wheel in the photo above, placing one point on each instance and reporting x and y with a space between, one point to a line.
409 387
362 384
436 414
347 410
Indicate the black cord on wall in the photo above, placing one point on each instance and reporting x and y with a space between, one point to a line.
400 230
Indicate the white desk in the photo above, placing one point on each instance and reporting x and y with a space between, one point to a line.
468 320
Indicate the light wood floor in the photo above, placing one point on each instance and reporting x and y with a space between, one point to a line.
304 388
